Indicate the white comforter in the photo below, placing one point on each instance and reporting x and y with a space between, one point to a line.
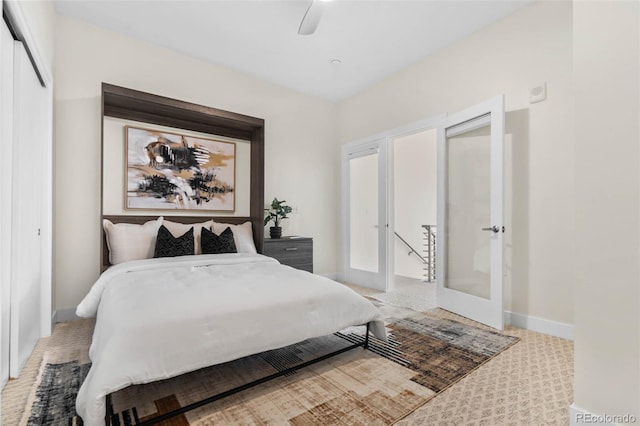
159 318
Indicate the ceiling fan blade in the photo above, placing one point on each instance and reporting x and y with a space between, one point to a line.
311 18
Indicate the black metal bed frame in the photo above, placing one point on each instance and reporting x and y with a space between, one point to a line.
110 414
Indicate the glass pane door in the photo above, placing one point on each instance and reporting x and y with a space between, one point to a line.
470 212
365 198
363 212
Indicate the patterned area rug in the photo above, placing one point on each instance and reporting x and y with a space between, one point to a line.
55 397
424 355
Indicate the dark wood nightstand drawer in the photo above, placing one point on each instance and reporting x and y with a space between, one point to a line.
304 266
297 252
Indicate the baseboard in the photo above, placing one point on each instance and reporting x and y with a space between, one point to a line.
62 315
580 416
540 325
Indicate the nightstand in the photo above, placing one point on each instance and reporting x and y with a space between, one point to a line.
295 252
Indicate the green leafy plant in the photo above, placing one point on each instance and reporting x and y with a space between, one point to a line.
278 211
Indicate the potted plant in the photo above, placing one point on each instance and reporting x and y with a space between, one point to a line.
276 213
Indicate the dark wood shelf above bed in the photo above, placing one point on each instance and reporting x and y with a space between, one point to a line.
130 104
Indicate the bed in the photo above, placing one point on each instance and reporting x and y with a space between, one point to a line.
220 306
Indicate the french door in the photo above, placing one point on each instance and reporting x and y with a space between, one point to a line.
470 213
365 195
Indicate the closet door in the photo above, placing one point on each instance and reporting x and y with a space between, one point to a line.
6 148
29 143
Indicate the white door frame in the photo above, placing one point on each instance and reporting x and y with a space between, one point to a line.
488 311
385 138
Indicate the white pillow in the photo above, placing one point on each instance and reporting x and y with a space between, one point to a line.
178 229
242 235
127 241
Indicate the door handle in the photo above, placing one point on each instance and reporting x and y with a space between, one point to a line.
493 229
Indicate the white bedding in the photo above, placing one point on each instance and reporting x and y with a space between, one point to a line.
159 318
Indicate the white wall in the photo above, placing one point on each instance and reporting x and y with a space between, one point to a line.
301 159
607 211
41 17
414 181
532 45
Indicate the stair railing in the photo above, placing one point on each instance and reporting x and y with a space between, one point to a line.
411 249
429 232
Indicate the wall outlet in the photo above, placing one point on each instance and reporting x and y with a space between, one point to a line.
538 93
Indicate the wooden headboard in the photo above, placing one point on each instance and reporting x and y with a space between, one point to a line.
129 104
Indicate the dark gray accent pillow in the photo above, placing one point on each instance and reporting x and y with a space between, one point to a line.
216 244
169 246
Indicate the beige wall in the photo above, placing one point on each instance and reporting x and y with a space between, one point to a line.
41 16
414 181
607 210
533 45
301 150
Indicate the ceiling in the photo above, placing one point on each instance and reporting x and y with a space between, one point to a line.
373 39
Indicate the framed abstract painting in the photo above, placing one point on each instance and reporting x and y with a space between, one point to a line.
170 171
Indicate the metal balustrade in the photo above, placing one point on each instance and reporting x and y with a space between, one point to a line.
429 232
